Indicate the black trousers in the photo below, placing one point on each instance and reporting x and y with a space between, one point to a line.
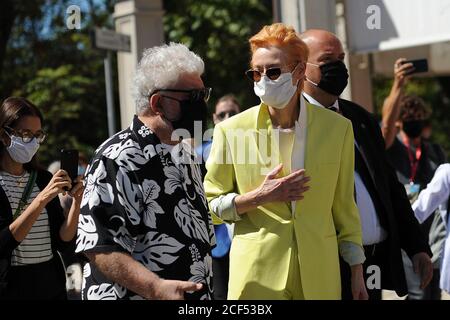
221 268
42 281
374 256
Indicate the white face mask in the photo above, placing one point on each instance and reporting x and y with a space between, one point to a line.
20 151
276 93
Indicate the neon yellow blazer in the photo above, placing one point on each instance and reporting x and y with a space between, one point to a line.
263 238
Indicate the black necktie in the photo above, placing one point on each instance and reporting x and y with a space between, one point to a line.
332 109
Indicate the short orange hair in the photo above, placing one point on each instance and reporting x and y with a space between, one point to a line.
281 36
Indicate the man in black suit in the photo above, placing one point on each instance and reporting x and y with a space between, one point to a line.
387 220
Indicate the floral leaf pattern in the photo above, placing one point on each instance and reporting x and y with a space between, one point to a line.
126 154
96 190
128 196
201 271
157 250
87 236
105 291
176 178
151 208
122 236
190 221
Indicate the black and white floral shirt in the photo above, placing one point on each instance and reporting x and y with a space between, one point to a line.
145 198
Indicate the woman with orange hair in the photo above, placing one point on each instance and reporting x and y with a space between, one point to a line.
287 234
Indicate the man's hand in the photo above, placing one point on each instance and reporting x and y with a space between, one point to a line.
358 284
423 266
289 188
174 290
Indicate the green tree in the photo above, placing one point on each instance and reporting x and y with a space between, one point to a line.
219 31
60 71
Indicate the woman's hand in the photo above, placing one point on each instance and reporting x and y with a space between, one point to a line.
273 189
289 188
359 290
59 181
69 228
77 191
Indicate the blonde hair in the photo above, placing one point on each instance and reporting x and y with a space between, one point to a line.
282 36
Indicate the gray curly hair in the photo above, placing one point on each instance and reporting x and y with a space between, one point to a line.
161 67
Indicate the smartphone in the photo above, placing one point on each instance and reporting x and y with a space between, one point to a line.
420 65
69 162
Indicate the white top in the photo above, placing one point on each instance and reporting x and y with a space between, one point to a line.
372 231
433 197
36 247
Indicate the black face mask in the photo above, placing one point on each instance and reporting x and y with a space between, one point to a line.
191 111
334 77
413 128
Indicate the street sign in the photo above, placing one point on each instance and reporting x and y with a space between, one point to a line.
111 40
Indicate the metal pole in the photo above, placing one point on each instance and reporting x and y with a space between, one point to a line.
109 94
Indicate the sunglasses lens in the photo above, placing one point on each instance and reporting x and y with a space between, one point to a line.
222 115
201 94
41 137
207 94
253 75
273 73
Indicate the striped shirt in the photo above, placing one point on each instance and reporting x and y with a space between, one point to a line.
36 247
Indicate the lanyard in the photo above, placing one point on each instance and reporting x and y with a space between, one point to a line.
413 164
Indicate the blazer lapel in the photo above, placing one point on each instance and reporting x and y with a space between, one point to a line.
268 148
303 157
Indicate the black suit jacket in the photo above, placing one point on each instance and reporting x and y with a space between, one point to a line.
403 229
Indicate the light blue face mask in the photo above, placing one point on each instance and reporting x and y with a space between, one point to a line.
81 170
20 151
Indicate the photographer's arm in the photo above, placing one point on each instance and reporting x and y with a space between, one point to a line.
391 107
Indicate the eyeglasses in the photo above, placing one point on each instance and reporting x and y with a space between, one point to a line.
271 73
222 115
194 94
27 135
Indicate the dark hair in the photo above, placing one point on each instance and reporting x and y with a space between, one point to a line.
12 110
413 108
229 97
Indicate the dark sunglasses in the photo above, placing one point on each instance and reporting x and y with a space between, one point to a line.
222 115
194 94
271 73
27 135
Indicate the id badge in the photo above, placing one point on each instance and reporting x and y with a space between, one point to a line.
412 190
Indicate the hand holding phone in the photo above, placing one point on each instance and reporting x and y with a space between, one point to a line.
69 163
419 65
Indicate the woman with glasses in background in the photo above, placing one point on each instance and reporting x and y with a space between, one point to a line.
32 224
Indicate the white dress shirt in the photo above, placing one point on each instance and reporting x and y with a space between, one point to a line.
436 196
370 223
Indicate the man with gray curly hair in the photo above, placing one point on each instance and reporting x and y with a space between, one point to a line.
144 222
